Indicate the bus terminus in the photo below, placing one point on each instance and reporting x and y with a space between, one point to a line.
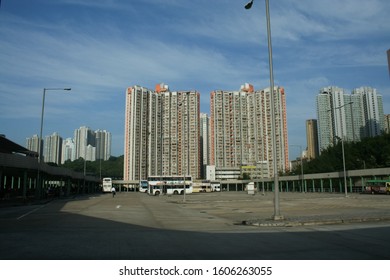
107 184
169 185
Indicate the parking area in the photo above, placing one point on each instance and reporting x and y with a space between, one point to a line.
238 207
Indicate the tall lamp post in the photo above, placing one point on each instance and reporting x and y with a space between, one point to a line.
342 149
277 215
38 189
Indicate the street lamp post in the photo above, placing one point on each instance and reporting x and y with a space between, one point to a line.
277 215
38 189
342 149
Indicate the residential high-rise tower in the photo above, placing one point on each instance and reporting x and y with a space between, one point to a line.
240 128
161 133
348 117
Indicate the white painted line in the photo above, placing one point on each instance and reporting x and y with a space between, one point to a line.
118 206
30 212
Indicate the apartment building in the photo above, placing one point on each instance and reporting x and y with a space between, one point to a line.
68 150
33 143
83 138
346 116
161 132
103 144
241 129
52 148
312 139
204 142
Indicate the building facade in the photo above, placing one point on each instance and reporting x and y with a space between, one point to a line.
348 117
52 148
83 137
103 144
312 139
241 129
161 133
32 143
204 142
371 111
386 122
68 150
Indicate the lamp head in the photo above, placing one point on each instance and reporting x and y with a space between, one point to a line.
249 5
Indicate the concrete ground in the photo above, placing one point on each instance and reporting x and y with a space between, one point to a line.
228 225
296 208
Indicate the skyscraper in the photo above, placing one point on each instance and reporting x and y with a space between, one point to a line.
386 122
312 139
68 150
52 148
240 128
103 144
33 143
371 110
349 117
83 137
161 133
204 142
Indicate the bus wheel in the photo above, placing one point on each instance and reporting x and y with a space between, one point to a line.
157 193
175 192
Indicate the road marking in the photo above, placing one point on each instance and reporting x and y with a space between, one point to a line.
30 212
118 206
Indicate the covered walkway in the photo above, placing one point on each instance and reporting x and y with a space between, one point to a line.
20 170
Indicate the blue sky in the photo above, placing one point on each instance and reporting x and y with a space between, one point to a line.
100 47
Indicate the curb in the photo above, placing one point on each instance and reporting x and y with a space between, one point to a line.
287 223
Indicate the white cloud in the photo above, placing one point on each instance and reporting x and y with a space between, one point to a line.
100 47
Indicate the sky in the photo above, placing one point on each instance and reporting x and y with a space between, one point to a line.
101 47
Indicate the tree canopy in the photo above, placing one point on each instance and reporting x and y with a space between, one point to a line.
109 168
369 153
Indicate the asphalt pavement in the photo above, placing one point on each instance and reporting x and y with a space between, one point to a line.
227 225
297 209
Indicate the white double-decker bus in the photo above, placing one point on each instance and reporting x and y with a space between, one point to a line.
107 184
169 185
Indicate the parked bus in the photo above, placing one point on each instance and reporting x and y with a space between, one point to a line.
143 186
215 186
201 186
154 185
169 185
377 187
107 184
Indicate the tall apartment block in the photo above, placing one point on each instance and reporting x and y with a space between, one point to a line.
68 150
84 139
312 139
103 144
33 143
241 131
52 148
371 109
204 142
161 133
87 144
350 117
387 123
